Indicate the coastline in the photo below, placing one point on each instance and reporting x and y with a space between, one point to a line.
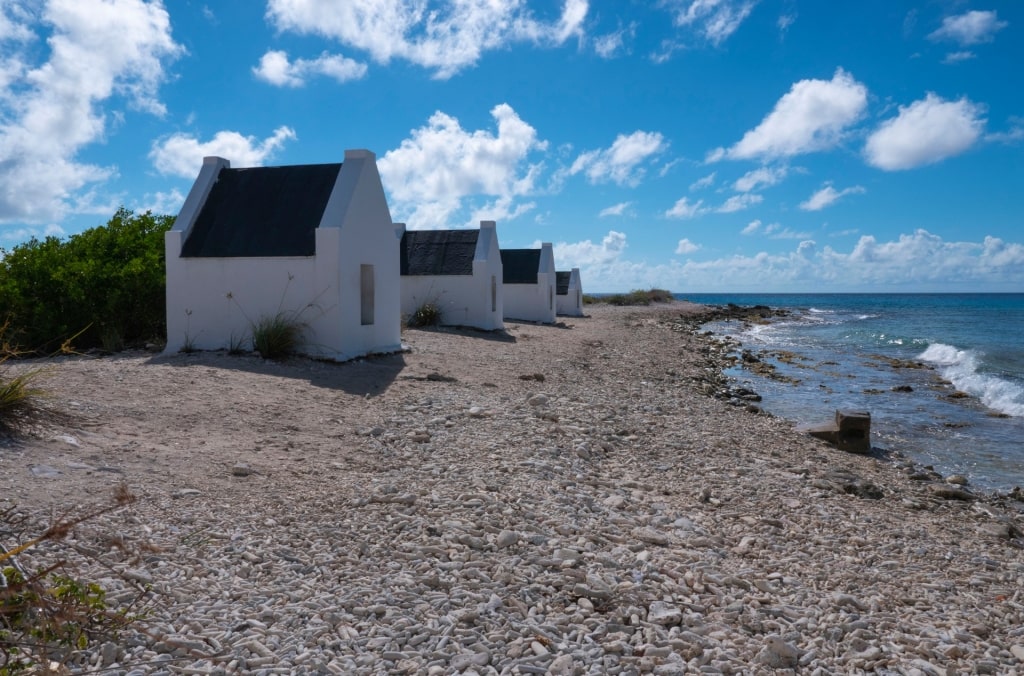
562 499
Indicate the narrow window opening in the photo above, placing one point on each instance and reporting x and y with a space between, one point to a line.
366 294
494 293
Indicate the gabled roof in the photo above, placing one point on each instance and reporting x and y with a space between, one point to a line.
438 252
562 282
520 266
262 211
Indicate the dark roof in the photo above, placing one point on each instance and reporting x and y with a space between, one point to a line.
562 282
520 265
438 252
262 211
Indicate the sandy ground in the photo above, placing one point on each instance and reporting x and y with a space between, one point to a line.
593 444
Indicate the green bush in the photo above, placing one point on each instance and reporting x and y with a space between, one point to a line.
276 337
639 297
104 287
428 314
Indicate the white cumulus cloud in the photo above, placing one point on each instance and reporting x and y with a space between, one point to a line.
588 254
182 155
277 69
685 246
970 28
828 196
101 53
925 132
812 116
622 162
445 36
431 175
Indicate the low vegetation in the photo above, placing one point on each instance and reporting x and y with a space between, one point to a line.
104 288
277 337
47 613
21 399
428 314
635 297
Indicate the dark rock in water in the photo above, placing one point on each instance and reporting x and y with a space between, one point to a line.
850 431
902 388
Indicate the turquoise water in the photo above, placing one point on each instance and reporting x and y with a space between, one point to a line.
845 346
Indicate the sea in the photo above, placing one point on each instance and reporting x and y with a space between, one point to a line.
941 374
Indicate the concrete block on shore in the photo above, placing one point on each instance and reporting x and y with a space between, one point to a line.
850 431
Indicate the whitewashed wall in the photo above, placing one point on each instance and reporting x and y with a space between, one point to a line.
571 304
534 302
213 302
464 300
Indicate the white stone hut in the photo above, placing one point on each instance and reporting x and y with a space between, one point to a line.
311 243
529 284
568 293
459 271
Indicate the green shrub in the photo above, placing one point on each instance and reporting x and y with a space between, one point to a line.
47 614
105 286
638 297
428 314
276 337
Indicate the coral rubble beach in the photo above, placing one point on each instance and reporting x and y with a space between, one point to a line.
569 499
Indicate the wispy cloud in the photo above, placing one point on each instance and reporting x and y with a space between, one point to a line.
827 196
760 178
622 163
684 209
615 210
971 28
714 20
739 203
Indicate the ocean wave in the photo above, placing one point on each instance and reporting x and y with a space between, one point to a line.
960 367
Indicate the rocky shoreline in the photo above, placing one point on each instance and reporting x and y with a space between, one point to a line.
584 498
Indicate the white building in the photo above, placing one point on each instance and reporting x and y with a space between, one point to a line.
459 271
569 293
310 243
529 284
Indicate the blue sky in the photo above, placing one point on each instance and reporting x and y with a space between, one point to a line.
695 145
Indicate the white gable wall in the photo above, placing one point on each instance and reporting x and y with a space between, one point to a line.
464 300
212 303
534 302
571 304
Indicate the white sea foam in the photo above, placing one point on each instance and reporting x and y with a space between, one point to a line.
960 367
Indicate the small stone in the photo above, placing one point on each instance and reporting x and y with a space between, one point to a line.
957 479
778 654
242 469
664 614
561 666
477 412
650 536
1018 651
506 538
538 400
